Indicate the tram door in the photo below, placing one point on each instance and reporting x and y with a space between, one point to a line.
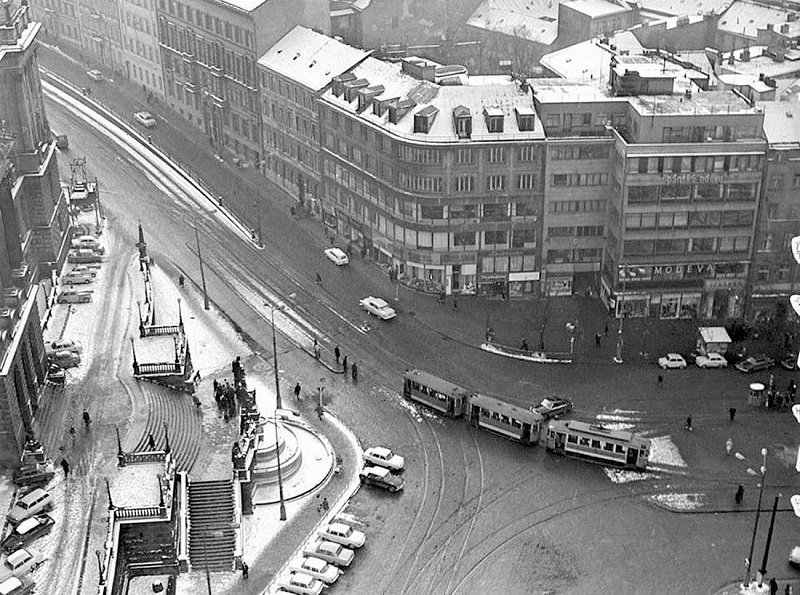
561 441
633 456
526 433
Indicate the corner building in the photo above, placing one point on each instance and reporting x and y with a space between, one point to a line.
436 174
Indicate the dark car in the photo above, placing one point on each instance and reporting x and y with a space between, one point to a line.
56 374
27 531
381 477
553 407
754 363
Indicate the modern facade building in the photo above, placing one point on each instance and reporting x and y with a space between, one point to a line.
34 229
436 174
209 52
293 75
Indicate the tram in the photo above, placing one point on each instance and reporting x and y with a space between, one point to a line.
441 395
510 421
597 443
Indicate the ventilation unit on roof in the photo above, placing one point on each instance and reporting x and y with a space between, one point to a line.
424 119
351 88
380 106
366 95
400 109
337 83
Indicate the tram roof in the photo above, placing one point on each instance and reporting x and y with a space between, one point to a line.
512 411
434 382
597 430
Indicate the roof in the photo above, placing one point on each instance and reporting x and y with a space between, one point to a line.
505 408
556 90
534 20
744 19
681 7
596 8
782 123
309 58
714 334
590 60
137 485
707 103
443 386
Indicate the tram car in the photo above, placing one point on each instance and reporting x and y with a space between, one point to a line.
441 395
599 444
510 421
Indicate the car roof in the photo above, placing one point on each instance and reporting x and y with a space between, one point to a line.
10 585
381 471
339 527
381 451
27 525
19 556
302 578
336 250
314 563
674 355
329 547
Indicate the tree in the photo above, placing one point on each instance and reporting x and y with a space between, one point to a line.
542 318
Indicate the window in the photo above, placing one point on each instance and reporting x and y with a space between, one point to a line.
705 219
783 273
766 242
464 238
742 191
495 211
772 210
642 194
431 212
705 245
639 246
465 183
494 123
522 237
525 209
495 237
497 155
763 273
640 221
666 246
559 256
496 182
673 220
463 212
776 181
527 153
594 179
586 231
526 181
560 232
729 244
464 156
737 218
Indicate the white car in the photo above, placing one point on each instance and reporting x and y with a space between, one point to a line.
62 345
301 583
384 457
146 119
794 556
377 307
318 568
95 75
672 360
342 533
337 256
335 553
711 360
21 563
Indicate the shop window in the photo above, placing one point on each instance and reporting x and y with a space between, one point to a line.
463 212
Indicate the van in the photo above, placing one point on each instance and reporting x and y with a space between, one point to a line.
73 296
64 359
84 255
89 242
77 278
34 502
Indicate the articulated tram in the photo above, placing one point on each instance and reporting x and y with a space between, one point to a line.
568 437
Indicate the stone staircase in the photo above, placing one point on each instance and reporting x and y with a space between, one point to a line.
212 528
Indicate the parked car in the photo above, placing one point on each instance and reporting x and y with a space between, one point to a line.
337 256
87 241
711 360
377 307
672 361
34 502
56 374
64 359
318 568
84 255
384 457
77 278
794 556
754 363
335 553
27 531
73 296
21 563
17 586
35 474
553 407
146 119
63 345
344 534
95 75
381 477
301 583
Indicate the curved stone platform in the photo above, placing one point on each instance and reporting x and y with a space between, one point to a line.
307 461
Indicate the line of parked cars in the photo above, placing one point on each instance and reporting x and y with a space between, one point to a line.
29 521
753 363
61 354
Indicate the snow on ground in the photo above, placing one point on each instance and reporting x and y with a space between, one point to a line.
664 452
627 476
681 502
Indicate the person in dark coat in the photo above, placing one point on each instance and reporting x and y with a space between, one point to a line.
344 364
739 494
297 390
65 467
773 586
151 442
245 570
336 353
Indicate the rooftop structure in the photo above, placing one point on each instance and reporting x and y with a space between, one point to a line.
534 20
682 7
596 8
782 123
139 485
744 19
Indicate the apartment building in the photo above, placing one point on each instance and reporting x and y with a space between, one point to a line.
35 226
141 55
774 275
101 31
209 52
293 74
436 174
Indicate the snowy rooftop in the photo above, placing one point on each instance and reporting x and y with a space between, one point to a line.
155 349
746 18
589 60
596 8
137 485
536 20
782 123
705 103
681 7
310 58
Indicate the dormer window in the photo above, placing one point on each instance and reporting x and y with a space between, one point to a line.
462 119
494 119
526 118
424 118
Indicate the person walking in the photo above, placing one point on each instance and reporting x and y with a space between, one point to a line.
337 354
660 381
455 303
355 372
728 446
524 346
732 412
597 338
297 391
181 280
245 570
739 494
344 364
319 279
773 586
325 505
688 426
65 467
151 442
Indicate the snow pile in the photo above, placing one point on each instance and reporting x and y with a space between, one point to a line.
679 502
626 475
663 452
532 356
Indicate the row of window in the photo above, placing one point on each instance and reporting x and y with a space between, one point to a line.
696 164
283 88
208 22
683 220
559 207
559 153
581 231
594 179
746 191
703 134
500 418
597 444
721 245
577 255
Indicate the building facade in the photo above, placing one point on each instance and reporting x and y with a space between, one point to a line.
141 55
442 183
209 52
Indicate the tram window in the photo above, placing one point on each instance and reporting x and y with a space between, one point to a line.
495 415
608 446
505 419
584 442
596 444
516 424
484 413
572 439
620 449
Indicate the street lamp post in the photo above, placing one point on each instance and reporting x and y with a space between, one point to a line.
763 470
280 477
202 270
618 356
278 404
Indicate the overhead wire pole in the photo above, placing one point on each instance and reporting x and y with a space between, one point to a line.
202 270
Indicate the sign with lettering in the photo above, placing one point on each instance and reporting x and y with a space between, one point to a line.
679 271
693 178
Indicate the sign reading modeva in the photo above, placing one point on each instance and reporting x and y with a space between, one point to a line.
693 178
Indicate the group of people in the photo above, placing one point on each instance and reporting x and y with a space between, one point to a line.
338 354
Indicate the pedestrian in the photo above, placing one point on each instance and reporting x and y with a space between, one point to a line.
773 586
597 338
151 442
688 425
319 279
728 446
344 364
316 351
149 139
65 467
320 411
245 570
455 303
337 354
739 494
660 381
606 329
297 391
788 589
181 280
792 390
732 412
524 346
355 371
325 505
